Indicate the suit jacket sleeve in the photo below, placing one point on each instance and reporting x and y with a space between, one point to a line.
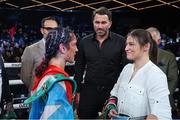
27 67
172 73
6 94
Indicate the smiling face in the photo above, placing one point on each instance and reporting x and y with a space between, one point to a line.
133 49
71 49
101 24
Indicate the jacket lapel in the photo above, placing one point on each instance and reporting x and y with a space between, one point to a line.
41 45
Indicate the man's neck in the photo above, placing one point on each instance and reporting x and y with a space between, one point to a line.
101 39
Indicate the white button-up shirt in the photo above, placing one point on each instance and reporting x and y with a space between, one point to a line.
147 92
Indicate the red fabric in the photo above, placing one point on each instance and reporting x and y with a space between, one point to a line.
68 91
112 101
52 70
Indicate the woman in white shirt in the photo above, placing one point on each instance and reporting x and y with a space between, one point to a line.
141 89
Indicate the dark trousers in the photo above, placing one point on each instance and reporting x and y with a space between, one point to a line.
92 99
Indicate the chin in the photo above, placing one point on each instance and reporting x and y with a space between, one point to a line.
71 61
129 58
101 33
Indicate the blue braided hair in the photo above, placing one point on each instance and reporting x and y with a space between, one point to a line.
55 37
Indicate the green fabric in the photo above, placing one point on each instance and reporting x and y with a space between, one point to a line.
107 109
48 85
109 106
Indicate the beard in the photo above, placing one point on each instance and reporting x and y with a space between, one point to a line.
101 32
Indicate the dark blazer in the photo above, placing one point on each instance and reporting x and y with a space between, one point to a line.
167 63
6 94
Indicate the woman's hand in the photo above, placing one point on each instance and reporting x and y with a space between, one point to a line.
112 113
151 117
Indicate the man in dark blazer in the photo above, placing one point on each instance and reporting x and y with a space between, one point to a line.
34 54
166 61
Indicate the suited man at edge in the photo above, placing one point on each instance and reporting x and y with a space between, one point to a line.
34 54
166 61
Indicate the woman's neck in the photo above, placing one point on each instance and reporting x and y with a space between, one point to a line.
58 62
140 63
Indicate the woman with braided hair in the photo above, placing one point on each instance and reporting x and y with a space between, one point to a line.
53 90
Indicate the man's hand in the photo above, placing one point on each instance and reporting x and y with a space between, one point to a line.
77 98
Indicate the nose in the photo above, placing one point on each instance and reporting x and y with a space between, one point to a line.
126 48
99 25
76 49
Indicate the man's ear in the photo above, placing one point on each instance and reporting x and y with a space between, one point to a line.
42 31
110 24
158 42
62 48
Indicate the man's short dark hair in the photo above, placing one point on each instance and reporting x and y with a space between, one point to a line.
55 18
103 11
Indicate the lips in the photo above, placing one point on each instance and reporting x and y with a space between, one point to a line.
99 29
128 52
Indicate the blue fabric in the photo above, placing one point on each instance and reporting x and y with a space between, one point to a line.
56 96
